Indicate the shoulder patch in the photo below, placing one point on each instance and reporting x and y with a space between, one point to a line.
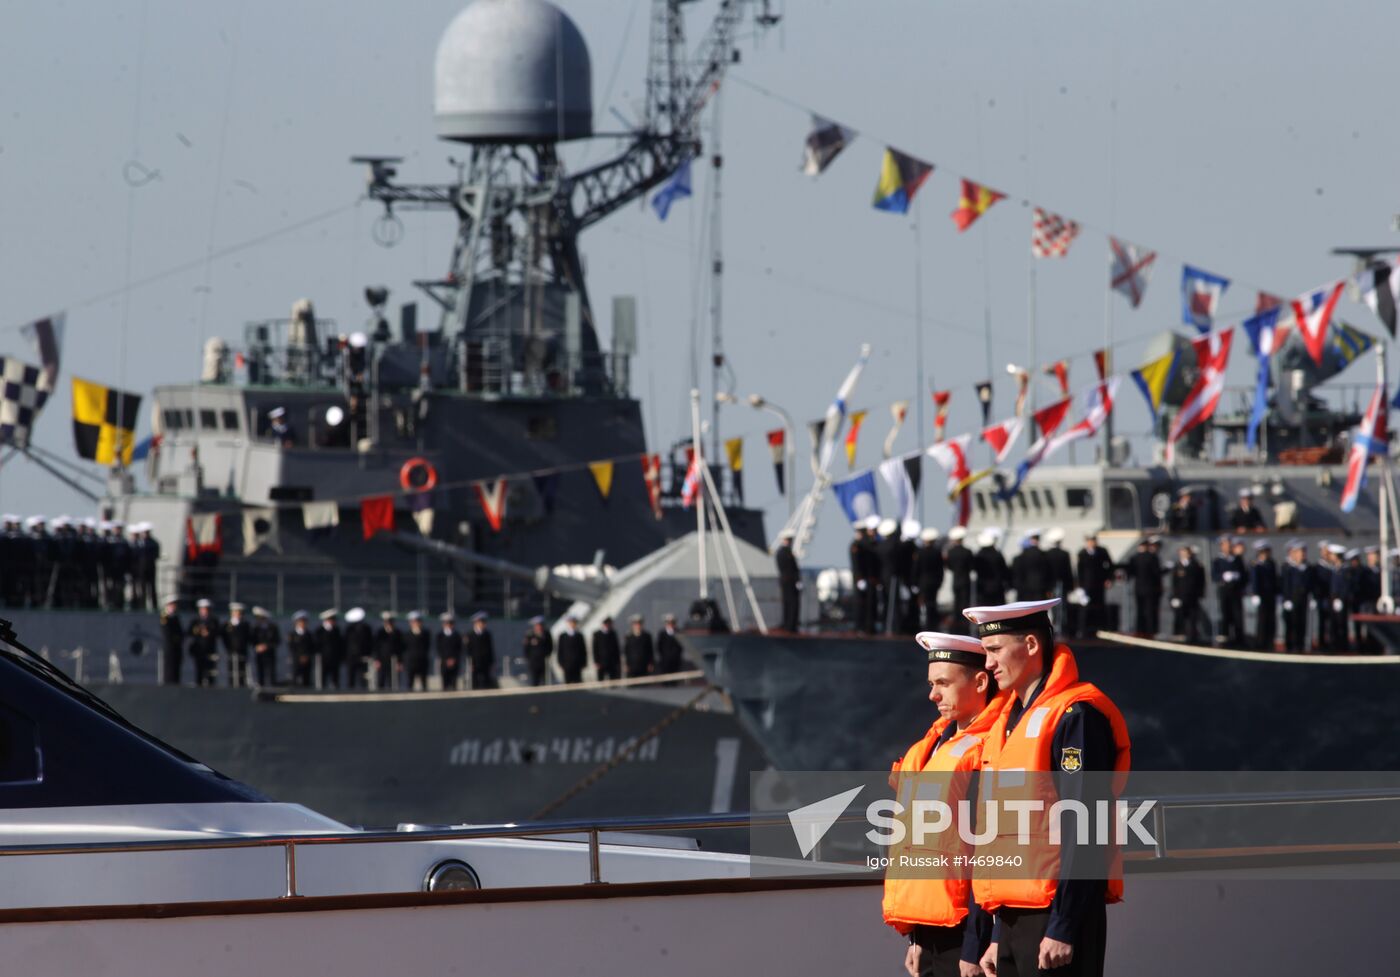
1071 759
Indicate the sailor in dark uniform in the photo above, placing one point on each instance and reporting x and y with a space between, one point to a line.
637 649
204 644
388 652
1263 587
789 580
301 650
537 648
19 557
992 571
1344 585
861 555
150 560
1368 594
1320 587
1145 569
236 634
41 566
1094 574
1188 588
572 653
449 651
481 650
266 640
1295 587
607 652
1227 571
1061 564
330 648
887 552
670 656
172 636
1246 518
359 648
278 429
958 561
417 653
1030 570
928 578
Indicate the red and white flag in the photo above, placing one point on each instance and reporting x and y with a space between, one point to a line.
1313 313
1051 235
1002 437
1060 371
493 501
1212 356
1130 269
952 456
651 474
940 413
1369 439
691 487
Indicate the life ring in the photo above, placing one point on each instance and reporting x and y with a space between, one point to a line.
418 475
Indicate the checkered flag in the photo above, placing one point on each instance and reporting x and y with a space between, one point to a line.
1051 235
23 392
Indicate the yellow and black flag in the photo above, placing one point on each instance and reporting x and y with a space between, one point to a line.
104 422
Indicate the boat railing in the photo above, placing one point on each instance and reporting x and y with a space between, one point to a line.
596 833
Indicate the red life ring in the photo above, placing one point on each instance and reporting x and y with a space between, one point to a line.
409 475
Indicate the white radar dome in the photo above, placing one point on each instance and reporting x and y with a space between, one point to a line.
512 71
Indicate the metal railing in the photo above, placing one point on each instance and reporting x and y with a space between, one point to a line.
596 830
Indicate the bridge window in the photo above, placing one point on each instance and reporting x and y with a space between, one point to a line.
1079 498
174 419
230 419
208 420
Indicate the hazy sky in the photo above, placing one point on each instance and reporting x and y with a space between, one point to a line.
1247 138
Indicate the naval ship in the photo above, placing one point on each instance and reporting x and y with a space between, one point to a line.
480 424
832 700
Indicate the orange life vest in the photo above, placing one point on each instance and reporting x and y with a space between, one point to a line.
927 894
1027 750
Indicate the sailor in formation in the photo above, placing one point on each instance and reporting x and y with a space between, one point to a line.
388 652
789 581
266 639
1263 595
958 560
481 652
204 643
638 652
538 646
928 575
172 636
1054 731
237 635
301 650
1228 573
330 648
607 651
359 648
948 933
417 653
1094 572
572 654
670 656
1188 588
449 651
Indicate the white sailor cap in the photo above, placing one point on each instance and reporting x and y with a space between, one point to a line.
987 537
89 522
300 616
910 529
787 534
330 614
887 527
277 412
1296 544
235 606
415 615
355 615
445 617
634 619
260 612
387 615
956 648
1245 493
1352 555
116 524
957 533
203 602
480 616
870 522
929 535
1337 549
1370 549
33 521
1033 533
170 599
1013 618
1263 544
10 517
358 340
102 526
61 522
1057 535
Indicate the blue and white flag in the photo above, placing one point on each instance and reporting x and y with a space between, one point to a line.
1265 335
1200 296
857 496
674 189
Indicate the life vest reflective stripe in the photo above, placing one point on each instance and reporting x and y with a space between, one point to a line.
1008 766
930 894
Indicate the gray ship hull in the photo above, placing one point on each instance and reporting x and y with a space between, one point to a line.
462 757
843 702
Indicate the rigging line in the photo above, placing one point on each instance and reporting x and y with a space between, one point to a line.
196 263
56 459
219 159
131 189
958 172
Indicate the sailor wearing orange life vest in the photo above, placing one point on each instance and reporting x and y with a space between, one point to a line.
1053 920
933 905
